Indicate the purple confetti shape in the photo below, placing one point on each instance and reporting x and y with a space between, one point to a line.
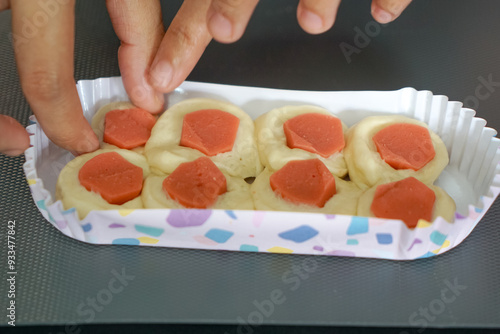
116 225
188 218
416 241
318 248
330 216
459 216
61 223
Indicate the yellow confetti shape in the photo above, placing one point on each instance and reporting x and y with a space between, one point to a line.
445 244
282 250
422 223
148 240
125 212
31 182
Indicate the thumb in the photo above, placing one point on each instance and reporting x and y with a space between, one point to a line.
14 139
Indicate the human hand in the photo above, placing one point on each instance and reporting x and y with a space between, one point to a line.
225 20
44 54
43 37
151 61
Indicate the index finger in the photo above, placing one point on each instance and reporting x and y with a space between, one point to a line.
43 44
385 11
139 26
181 47
227 19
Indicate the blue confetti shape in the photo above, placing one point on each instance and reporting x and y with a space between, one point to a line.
87 227
384 238
231 214
69 211
358 225
478 210
218 235
299 234
152 231
426 255
249 248
41 204
126 241
438 238
352 241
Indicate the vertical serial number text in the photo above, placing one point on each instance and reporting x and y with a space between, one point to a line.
11 272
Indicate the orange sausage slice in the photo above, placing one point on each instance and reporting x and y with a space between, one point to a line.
405 146
315 133
304 181
128 128
408 200
113 177
210 131
196 184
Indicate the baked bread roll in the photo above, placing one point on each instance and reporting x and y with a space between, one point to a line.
343 202
99 124
272 139
410 203
186 187
165 152
367 167
74 195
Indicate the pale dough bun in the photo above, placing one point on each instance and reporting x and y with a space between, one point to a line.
444 206
164 152
271 140
366 167
237 196
74 195
344 202
98 123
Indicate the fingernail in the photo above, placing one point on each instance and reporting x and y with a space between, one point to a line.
220 26
381 15
93 142
89 144
161 74
313 21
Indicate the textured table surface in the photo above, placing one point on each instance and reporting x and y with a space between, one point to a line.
448 47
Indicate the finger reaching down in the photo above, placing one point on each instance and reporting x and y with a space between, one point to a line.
385 11
139 26
181 48
227 19
317 16
45 65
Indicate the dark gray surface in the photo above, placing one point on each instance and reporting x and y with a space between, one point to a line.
440 46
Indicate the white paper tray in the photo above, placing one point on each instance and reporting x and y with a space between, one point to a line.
472 179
